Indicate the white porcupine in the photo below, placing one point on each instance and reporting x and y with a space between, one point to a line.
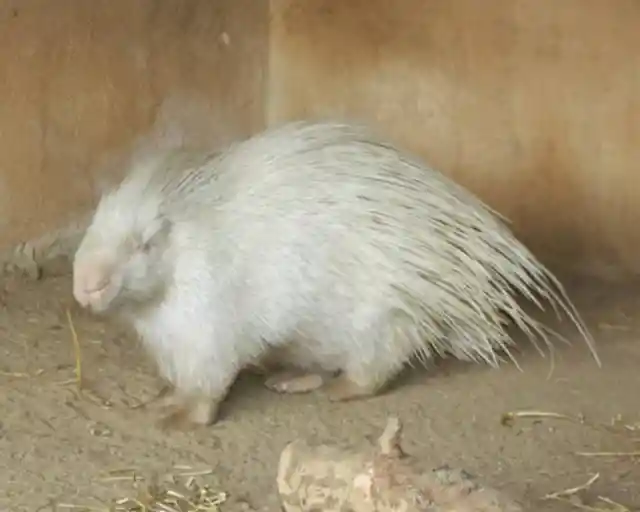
314 237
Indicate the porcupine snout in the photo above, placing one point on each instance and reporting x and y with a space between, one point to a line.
92 284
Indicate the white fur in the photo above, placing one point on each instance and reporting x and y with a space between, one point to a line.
316 236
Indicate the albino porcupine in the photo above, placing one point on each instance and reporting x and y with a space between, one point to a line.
315 241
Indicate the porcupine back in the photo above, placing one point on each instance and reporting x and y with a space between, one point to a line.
323 229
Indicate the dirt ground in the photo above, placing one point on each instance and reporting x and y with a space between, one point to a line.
57 446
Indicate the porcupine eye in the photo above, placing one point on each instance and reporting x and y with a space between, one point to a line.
155 235
145 247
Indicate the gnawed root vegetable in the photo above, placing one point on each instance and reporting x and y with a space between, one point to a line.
383 479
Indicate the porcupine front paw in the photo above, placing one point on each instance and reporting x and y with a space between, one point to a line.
185 413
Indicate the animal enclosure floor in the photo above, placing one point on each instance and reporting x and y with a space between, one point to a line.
57 446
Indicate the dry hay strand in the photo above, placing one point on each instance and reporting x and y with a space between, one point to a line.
572 496
83 387
76 351
16 375
617 426
181 492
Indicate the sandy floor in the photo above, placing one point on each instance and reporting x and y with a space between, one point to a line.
57 446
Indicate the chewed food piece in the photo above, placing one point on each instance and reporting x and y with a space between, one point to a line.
382 479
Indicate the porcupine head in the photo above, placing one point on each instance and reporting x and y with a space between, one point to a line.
121 260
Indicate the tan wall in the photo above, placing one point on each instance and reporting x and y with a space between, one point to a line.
533 104
530 103
82 78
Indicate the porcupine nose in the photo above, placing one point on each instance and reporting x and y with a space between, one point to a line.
88 283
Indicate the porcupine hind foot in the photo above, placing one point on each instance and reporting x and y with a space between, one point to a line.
283 375
292 382
340 388
364 376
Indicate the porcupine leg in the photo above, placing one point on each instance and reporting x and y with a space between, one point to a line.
187 409
367 372
268 363
345 388
179 410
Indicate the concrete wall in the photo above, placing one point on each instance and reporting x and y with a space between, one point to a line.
532 104
83 78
